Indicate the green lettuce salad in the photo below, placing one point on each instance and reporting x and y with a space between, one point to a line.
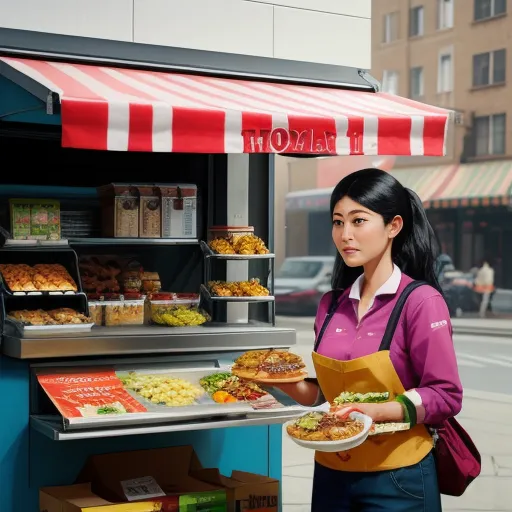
361 398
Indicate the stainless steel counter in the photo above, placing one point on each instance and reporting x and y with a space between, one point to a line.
51 426
103 341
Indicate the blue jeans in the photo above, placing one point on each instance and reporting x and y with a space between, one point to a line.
410 489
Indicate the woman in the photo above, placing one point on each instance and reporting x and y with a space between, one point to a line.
384 242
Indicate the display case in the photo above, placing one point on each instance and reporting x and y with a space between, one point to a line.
116 397
162 290
122 288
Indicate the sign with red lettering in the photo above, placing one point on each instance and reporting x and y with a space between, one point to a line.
283 140
89 393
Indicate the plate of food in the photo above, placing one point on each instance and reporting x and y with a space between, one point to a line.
325 432
270 367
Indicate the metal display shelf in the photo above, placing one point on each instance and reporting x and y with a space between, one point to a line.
235 257
133 241
51 426
102 341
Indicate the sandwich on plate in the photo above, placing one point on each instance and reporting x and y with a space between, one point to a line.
268 366
322 426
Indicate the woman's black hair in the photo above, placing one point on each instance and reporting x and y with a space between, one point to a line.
414 249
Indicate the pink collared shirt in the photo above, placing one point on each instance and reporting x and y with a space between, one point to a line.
422 350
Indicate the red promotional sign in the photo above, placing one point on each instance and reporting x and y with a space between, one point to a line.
89 394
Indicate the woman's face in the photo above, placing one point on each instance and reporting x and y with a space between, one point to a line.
360 234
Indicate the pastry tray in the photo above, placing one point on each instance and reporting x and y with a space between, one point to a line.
261 298
46 255
18 329
210 253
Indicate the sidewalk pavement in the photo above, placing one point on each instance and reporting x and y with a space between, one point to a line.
483 326
477 326
489 422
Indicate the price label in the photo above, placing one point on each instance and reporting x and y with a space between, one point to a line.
141 488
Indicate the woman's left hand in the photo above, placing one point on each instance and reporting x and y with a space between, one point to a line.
389 411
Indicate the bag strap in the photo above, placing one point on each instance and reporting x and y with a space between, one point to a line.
333 306
396 313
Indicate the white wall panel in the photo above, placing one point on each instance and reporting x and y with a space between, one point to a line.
104 19
357 8
323 38
233 26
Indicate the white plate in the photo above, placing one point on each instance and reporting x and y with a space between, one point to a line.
337 446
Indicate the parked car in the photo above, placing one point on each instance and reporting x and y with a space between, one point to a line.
458 291
300 283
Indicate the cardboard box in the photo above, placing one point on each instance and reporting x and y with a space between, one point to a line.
150 212
245 491
108 482
119 210
179 210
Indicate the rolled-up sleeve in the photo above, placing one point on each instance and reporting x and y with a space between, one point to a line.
432 353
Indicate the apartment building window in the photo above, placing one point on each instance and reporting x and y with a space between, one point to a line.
485 9
490 134
489 68
390 82
417 82
444 14
390 32
445 73
416 22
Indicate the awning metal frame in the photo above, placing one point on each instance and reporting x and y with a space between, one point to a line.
47 96
86 50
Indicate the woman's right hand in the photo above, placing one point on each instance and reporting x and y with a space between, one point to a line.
305 393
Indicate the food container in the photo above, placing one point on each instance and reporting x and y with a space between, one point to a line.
151 282
132 282
119 210
96 311
124 312
232 232
150 215
179 210
182 311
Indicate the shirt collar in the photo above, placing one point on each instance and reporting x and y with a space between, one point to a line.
390 287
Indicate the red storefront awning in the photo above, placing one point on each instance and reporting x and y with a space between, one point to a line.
111 108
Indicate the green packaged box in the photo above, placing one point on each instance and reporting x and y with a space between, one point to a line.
20 219
210 501
45 220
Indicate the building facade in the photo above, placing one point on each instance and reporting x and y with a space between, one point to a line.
452 54
336 32
457 55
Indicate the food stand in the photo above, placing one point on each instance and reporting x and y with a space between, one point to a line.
143 137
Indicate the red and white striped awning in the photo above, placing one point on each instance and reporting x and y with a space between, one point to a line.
111 108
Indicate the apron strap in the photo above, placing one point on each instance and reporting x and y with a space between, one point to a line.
396 313
335 302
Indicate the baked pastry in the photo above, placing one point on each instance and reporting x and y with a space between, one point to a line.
36 317
251 288
18 278
53 277
41 277
68 316
60 316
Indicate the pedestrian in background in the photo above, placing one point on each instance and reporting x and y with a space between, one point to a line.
484 286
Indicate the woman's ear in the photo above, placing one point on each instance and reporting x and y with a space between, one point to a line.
395 226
